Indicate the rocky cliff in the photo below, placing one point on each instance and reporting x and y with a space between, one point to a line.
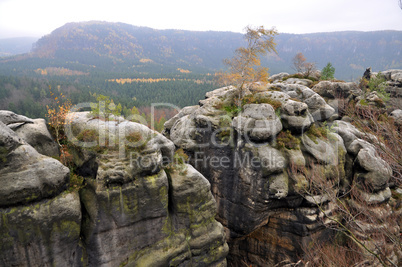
253 181
281 162
130 211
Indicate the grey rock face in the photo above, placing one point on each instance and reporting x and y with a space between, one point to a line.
39 225
296 116
397 116
183 133
305 82
130 212
317 106
135 214
324 151
183 112
46 233
37 135
26 175
260 186
336 89
258 122
393 75
8 117
378 171
278 77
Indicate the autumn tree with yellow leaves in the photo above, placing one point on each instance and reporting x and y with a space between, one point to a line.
245 66
57 119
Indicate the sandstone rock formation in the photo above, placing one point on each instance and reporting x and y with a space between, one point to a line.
40 221
262 183
261 163
130 211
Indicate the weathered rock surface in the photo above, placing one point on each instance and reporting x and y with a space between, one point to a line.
40 223
37 135
26 175
260 164
130 212
136 214
336 89
8 117
45 233
259 122
260 187
397 116
278 77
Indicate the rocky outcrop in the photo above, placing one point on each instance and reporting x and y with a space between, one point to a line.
137 208
37 135
134 212
40 221
258 122
261 185
333 90
262 164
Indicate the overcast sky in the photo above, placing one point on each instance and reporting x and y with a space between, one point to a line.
39 17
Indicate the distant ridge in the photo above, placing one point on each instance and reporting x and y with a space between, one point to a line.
17 45
124 48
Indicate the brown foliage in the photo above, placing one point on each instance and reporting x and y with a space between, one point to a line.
245 65
301 66
57 119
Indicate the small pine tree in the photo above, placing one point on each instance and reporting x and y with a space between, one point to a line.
105 107
328 72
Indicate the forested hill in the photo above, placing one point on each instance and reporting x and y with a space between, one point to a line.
122 48
138 66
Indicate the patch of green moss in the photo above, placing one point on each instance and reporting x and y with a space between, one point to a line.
180 159
300 76
76 182
315 132
251 99
396 195
363 102
3 154
67 228
285 139
232 110
89 136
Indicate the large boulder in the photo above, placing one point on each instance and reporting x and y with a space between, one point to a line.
296 116
397 116
278 77
305 82
257 122
8 117
318 107
26 175
392 75
37 135
336 89
377 171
